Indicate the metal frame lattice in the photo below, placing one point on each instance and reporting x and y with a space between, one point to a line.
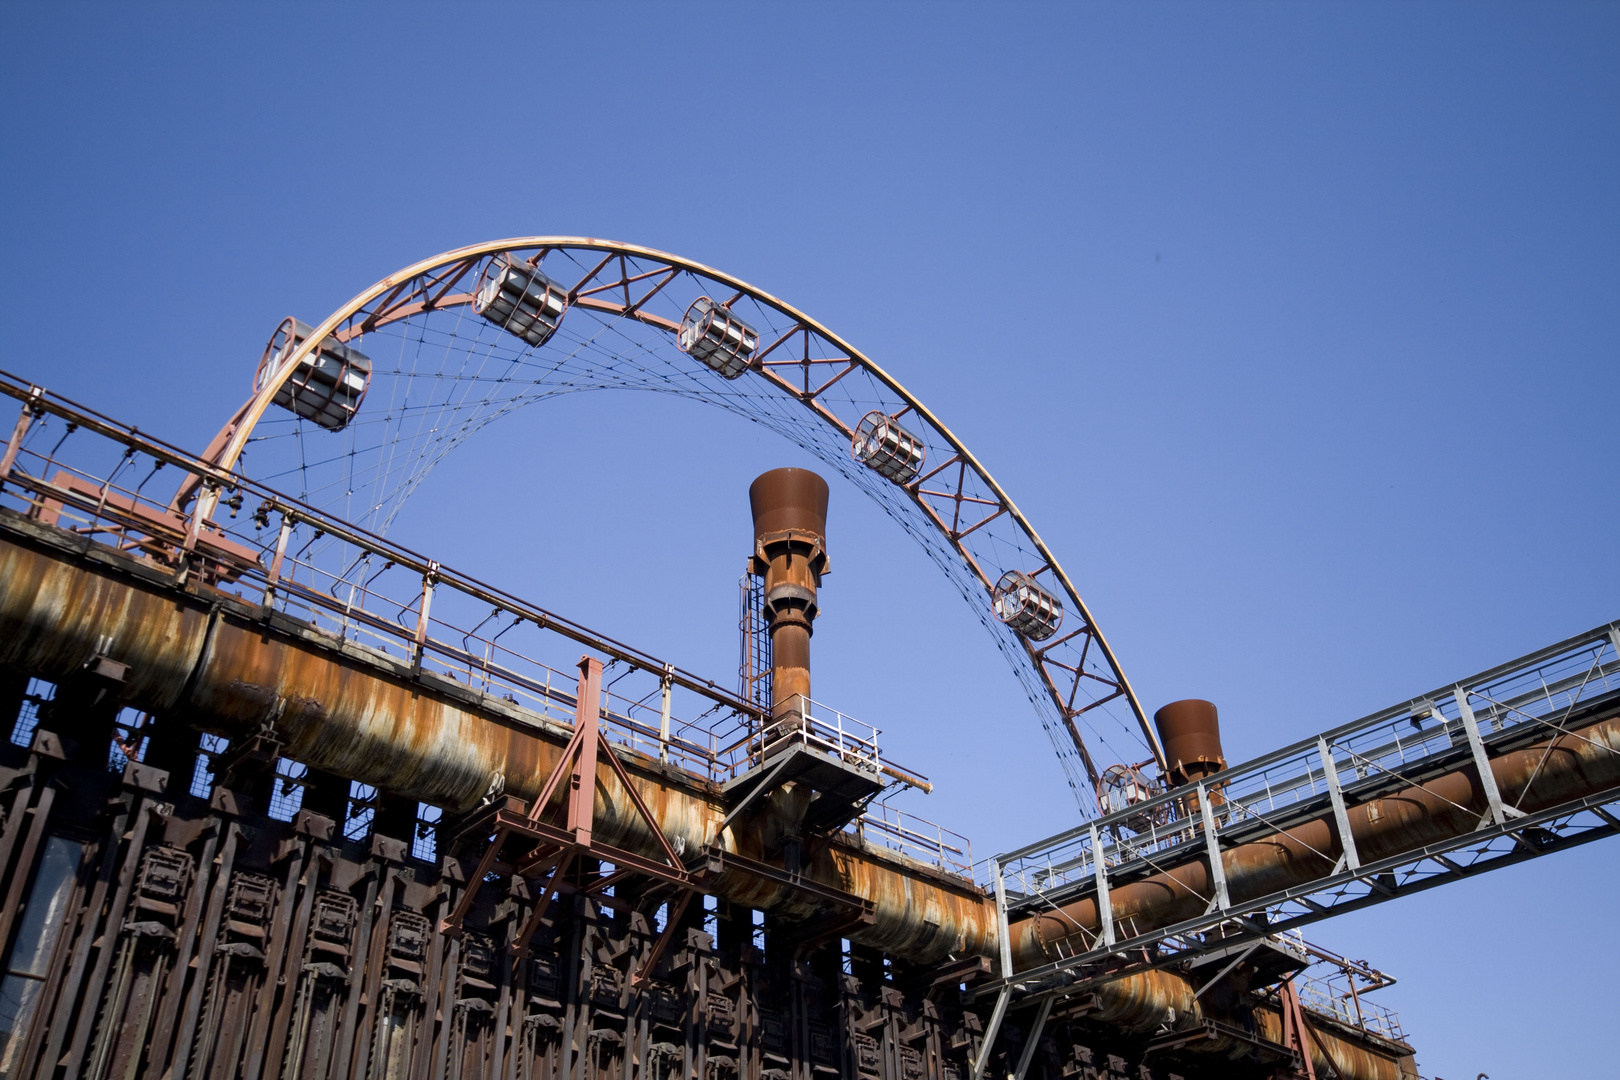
453 373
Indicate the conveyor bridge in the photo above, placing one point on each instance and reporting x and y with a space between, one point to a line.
317 893
1507 765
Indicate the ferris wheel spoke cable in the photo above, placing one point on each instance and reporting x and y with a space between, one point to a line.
454 373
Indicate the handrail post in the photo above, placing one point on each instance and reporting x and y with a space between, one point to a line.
25 420
424 614
1341 816
1105 907
273 578
1217 868
663 714
982 1058
1497 812
201 509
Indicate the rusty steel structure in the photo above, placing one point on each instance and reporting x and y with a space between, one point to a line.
1510 764
790 555
561 314
283 798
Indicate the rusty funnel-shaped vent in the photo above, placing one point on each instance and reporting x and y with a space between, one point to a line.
790 540
1191 733
789 500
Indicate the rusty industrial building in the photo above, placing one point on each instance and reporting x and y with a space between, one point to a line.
284 799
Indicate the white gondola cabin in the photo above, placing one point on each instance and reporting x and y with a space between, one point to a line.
330 381
712 334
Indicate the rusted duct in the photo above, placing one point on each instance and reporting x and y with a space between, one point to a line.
1547 773
1145 1001
790 553
222 665
1153 1000
1330 1054
56 617
1190 732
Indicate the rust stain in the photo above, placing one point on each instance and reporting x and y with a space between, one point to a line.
1330 1054
1539 776
345 715
227 671
55 617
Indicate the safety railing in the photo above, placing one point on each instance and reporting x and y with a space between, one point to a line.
1336 987
1332 997
818 727
1466 728
69 466
917 837
1392 748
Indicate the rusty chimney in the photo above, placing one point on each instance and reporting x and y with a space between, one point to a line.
1191 733
790 553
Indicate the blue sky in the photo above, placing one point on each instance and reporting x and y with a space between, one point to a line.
1291 327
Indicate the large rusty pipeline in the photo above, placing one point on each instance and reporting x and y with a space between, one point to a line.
363 715
1151 999
221 665
790 552
1584 760
1330 1054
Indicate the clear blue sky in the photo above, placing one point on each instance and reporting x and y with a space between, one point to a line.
1292 328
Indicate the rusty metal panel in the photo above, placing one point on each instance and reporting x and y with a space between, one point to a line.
56 615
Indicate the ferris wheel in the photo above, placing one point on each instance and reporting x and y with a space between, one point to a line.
369 400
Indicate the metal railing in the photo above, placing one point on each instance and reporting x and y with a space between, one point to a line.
1461 725
1331 997
815 726
69 466
915 836
1395 745
1336 987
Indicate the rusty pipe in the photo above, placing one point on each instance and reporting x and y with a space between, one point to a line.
1190 732
1150 1000
1542 775
207 658
221 664
1331 1055
365 716
790 552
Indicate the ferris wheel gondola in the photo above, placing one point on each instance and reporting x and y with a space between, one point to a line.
554 315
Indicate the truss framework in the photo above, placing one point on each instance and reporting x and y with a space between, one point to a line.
75 469
1554 691
556 847
804 363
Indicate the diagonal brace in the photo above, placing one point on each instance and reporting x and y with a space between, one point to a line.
542 903
644 972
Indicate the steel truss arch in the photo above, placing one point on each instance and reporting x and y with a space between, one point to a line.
1067 667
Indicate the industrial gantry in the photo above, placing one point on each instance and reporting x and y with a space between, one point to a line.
284 798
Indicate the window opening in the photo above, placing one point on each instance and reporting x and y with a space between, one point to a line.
38 693
425 844
129 739
362 809
287 796
202 776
